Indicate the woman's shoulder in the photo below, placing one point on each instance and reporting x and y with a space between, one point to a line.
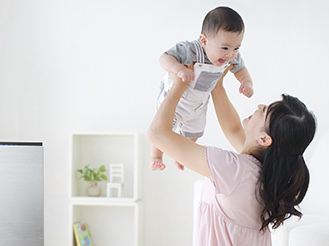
220 152
216 154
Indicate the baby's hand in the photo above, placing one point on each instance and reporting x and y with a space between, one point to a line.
246 89
186 74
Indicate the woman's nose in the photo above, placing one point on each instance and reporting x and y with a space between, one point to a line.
260 106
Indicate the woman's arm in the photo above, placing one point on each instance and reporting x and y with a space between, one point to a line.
160 133
228 118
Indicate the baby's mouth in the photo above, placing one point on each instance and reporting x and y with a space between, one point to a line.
220 60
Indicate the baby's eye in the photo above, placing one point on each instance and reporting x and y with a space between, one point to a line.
237 48
224 48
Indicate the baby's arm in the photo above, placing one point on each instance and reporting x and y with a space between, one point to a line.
171 65
244 78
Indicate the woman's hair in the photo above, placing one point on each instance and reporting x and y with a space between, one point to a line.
222 18
284 177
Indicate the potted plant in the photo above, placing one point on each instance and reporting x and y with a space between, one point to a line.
93 175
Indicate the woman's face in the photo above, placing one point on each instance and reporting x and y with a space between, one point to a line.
255 123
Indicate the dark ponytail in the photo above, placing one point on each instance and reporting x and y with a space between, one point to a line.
284 177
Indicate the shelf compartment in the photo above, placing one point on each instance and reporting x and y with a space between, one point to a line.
110 225
96 149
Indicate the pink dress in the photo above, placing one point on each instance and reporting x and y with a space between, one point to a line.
229 213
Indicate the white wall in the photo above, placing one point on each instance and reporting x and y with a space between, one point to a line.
72 66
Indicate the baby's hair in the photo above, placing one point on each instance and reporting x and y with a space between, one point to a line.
223 18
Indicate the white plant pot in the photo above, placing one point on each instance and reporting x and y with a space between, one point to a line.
93 189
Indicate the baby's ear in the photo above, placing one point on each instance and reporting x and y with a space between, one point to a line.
264 140
203 39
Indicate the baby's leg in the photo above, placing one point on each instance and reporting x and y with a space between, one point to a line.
156 159
180 166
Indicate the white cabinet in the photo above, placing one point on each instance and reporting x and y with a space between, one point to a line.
112 221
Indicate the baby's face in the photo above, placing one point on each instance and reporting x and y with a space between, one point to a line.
222 47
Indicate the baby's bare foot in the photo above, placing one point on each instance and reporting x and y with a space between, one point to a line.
157 165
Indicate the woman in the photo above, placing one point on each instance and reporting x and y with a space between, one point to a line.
250 190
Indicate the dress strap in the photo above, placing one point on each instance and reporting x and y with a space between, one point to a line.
199 51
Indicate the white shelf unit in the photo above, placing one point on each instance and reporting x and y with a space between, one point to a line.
112 221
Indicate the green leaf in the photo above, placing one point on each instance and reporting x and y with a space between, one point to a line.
89 174
104 177
102 168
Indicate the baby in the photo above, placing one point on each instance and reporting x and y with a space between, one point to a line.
217 48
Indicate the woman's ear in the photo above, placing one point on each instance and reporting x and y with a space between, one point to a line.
203 40
264 140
